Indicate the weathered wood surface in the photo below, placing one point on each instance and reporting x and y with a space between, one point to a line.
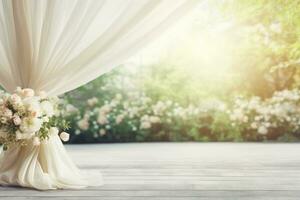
182 171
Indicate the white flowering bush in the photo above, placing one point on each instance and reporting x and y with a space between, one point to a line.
118 119
29 117
136 117
271 118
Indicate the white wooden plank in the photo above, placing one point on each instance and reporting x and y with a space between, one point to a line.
177 171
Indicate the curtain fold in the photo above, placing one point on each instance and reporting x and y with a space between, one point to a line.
59 45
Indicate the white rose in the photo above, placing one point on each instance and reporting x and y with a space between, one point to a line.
36 141
262 130
102 119
102 132
32 104
83 124
254 125
53 131
15 99
30 125
17 120
47 108
119 119
92 101
105 109
145 125
64 136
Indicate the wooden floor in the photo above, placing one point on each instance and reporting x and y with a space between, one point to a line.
182 171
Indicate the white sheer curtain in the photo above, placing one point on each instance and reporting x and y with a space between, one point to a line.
59 45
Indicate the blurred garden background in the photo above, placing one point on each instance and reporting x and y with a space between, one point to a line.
227 72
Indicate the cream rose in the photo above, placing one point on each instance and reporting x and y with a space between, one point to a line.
27 92
102 132
30 125
32 104
102 119
47 108
15 99
64 136
83 124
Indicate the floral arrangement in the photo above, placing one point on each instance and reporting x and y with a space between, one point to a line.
28 117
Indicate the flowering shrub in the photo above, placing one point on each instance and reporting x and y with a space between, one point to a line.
26 116
136 117
267 119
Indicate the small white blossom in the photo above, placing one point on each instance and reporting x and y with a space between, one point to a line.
102 132
83 124
92 101
262 130
145 125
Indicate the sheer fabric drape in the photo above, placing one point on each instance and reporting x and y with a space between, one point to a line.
59 45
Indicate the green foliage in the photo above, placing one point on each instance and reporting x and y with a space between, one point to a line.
277 46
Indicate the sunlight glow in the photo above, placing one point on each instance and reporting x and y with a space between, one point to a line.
202 42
